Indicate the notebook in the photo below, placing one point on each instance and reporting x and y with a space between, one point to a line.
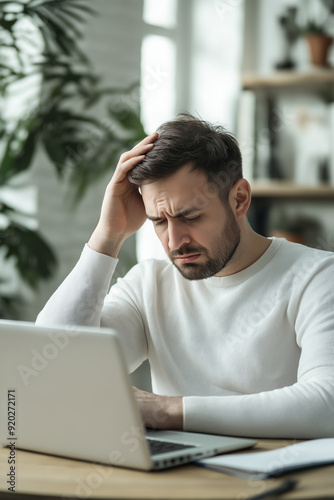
66 391
272 463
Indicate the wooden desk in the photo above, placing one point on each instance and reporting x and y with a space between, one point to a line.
39 474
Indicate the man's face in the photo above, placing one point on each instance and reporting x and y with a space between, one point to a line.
198 232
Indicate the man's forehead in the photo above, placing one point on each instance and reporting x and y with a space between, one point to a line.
176 195
172 201
185 179
187 174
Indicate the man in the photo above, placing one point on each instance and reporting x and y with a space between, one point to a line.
238 328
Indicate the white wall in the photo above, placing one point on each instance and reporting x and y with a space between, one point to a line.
216 60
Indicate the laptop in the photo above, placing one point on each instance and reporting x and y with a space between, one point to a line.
66 391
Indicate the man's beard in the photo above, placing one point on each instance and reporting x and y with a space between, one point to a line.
218 257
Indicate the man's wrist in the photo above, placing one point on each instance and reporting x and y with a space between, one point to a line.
176 413
160 412
110 247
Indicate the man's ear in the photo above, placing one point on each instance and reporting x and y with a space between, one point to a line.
240 197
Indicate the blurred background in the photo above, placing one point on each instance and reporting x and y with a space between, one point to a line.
83 81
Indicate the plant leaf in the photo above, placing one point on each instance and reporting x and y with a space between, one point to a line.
33 256
15 161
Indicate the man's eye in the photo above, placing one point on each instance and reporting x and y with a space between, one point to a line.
159 223
193 219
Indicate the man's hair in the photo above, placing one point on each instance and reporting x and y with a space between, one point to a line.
187 139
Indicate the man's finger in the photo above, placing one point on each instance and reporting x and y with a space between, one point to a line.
148 139
137 151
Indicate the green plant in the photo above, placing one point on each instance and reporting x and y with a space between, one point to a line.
62 122
318 18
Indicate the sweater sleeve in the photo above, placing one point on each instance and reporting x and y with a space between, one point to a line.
82 300
304 410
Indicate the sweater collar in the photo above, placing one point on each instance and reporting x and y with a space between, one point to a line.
245 274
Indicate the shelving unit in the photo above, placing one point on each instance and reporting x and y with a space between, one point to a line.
268 88
285 190
289 79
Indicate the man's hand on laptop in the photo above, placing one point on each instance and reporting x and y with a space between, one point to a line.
160 412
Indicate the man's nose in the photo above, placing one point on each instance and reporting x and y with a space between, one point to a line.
178 235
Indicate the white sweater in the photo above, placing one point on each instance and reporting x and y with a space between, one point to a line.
252 354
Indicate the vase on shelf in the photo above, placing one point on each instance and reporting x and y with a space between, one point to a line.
319 46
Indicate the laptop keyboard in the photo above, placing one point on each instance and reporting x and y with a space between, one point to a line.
157 446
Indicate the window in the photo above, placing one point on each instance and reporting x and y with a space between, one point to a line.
191 60
158 63
163 15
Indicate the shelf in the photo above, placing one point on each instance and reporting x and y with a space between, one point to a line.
283 189
288 79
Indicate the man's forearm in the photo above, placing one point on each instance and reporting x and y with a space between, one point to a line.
302 411
79 299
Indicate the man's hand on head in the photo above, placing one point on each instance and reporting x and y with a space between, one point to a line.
160 412
123 211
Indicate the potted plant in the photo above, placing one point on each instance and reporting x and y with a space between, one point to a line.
53 124
319 44
318 31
